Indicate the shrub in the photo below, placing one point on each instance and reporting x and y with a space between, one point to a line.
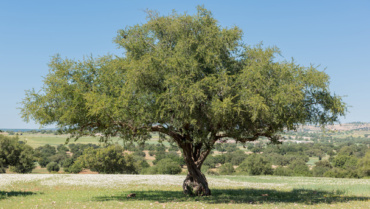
150 147
321 167
173 148
139 153
238 157
282 171
231 149
19 156
52 167
336 173
300 168
108 160
43 161
160 148
226 169
171 155
62 148
168 166
140 163
255 164
59 158
219 147
364 165
67 163
46 151
210 162
78 149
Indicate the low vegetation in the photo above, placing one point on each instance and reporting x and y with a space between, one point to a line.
163 191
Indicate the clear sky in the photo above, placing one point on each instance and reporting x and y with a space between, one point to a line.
333 34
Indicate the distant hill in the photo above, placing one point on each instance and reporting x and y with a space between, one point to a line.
339 127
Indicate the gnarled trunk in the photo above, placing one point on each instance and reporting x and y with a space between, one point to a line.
195 182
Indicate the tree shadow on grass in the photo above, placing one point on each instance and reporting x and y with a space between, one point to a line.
4 195
240 196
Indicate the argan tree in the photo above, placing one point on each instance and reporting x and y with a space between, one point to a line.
189 79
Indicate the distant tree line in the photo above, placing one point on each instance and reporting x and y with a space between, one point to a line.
341 160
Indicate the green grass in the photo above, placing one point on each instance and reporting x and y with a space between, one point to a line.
312 160
37 140
227 192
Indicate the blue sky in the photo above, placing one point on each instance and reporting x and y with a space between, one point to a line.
333 34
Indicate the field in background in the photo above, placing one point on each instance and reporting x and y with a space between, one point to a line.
38 139
164 191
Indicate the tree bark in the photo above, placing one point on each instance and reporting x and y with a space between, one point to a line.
195 182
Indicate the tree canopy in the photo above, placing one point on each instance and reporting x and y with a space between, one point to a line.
189 79
16 154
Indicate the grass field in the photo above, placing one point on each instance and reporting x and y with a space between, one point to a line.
162 191
37 140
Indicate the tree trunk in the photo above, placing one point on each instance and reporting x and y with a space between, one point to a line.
195 182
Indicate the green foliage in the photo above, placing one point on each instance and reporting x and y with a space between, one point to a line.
78 149
283 171
300 168
235 157
179 64
107 160
139 153
52 167
364 165
46 151
43 161
187 78
226 169
344 161
140 163
255 164
70 165
62 148
159 155
167 166
19 156
321 167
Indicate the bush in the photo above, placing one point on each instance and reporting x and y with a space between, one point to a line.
52 167
46 151
300 168
364 165
255 164
67 163
168 166
43 161
62 148
210 162
238 157
160 148
15 154
226 169
59 158
140 163
139 153
108 160
173 148
171 155
78 149
321 167
283 171
150 147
